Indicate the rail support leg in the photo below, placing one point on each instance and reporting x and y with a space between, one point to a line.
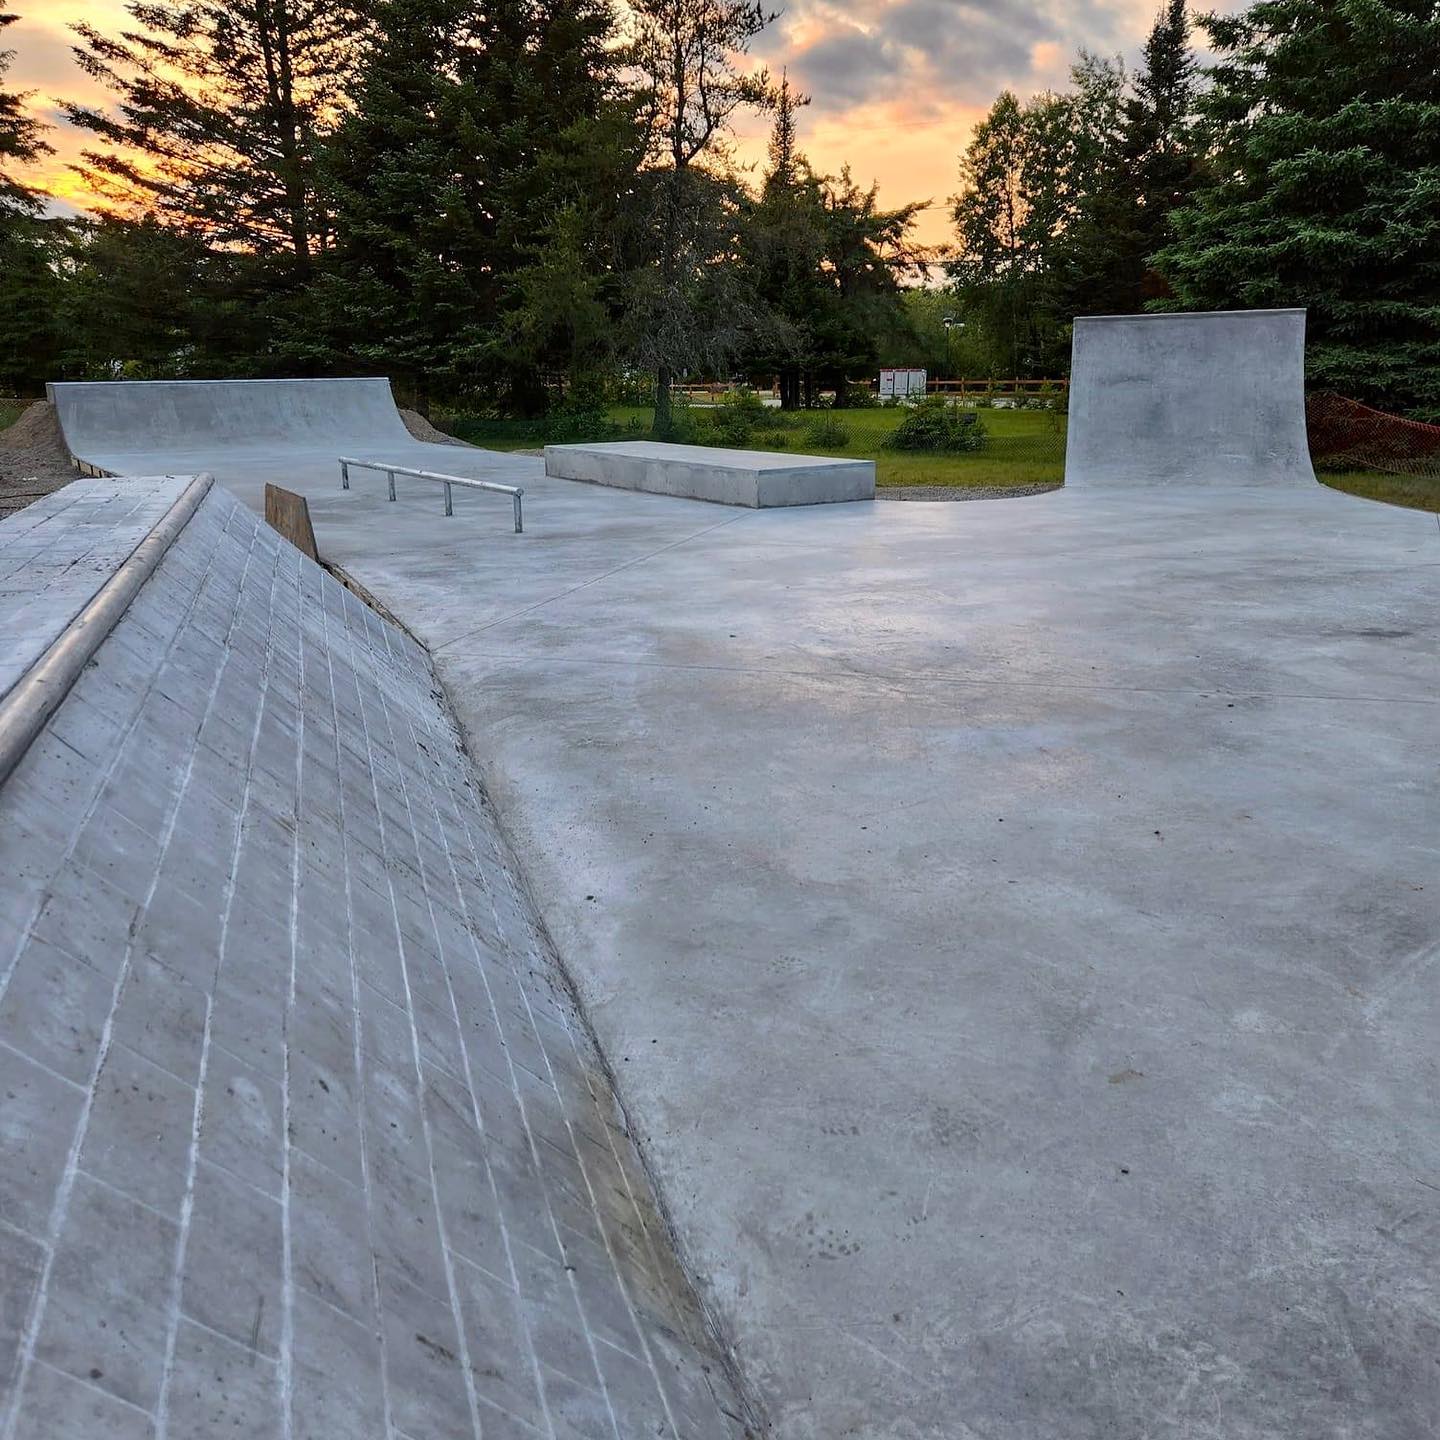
344 476
449 504
519 517
390 476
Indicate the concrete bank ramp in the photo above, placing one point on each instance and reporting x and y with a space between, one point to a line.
302 1135
1216 398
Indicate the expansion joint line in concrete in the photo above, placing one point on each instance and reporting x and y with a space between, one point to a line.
35 697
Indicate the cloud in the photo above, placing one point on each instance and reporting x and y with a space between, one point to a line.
939 54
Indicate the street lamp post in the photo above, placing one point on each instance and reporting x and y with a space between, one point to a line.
951 325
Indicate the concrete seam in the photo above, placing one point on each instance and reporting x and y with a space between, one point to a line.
362 1124
287 1265
187 1204
649 1357
456 1312
476 1110
37 694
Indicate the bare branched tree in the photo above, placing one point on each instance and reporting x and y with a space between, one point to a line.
689 57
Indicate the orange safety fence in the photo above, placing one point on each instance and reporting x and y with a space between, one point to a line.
1346 435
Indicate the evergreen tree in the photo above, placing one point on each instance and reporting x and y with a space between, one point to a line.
1160 142
783 148
22 140
823 265
147 301
1010 215
1325 116
488 151
28 281
219 106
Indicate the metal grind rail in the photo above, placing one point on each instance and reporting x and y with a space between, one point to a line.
391 471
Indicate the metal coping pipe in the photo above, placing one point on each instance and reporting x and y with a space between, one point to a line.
515 492
36 695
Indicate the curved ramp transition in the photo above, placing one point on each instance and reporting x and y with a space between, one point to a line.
105 418
302 1134
1181 400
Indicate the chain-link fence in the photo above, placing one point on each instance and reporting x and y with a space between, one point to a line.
1348 436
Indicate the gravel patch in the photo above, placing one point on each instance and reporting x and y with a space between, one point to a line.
421 429
960 492
33 458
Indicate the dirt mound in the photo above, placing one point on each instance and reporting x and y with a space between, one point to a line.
36 427
33 458
421 429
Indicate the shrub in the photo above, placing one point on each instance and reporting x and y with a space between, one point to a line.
736 418
855 395
576 419
827 434
936 426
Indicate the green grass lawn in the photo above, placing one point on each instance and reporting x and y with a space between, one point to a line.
1417 492
10 412
1025 447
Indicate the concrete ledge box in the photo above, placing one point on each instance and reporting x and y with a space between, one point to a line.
756 478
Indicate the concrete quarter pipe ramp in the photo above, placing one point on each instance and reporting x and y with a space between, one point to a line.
1183 400
104 418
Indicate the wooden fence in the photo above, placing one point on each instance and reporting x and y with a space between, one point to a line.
710 392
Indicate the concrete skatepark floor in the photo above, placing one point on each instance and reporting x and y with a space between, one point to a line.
1012 925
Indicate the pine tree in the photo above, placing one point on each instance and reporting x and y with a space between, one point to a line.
784 146
1138 159
1326 122
1160 143
219 106
29 338
22 140
486 137
822 264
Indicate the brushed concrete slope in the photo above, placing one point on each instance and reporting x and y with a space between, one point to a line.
755 478
301 1134
1199 399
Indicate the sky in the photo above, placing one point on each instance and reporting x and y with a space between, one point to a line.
895 85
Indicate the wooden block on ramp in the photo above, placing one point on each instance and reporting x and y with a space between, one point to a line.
288 513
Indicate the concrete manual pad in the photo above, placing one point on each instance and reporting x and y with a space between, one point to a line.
756 478
1013 925
1199 399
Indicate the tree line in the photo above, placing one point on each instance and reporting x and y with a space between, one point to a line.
483 197
1299 166
474 196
